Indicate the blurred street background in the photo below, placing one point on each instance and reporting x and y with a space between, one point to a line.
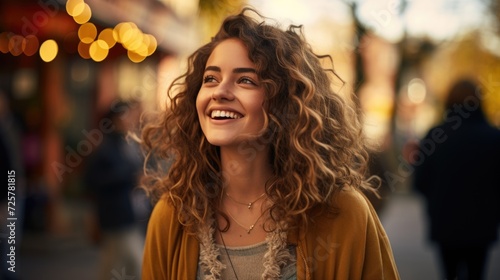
65 64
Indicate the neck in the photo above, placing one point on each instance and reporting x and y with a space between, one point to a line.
245 173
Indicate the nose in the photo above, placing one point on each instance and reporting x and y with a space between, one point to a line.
223 92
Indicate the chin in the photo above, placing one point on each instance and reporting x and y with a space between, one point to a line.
221 142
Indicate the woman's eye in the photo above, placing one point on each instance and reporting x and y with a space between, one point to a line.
209 79
245 80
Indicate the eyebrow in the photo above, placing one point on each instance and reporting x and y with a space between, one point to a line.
235 70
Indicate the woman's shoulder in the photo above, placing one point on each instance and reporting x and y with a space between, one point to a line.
352 209
352 200
163 213
166 246
353 217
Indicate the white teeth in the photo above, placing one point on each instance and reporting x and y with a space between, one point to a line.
225 114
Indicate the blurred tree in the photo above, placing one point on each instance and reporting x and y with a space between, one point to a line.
465 57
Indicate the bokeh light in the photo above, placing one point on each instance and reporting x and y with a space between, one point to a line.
48 50
84 50
85 15
107 36
132 39
138 44
416 91
142 49
124 31
135 57
98 50
74 7
152 43
30 45
87 32
4 42
16 45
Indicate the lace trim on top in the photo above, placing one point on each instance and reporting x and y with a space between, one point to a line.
275 258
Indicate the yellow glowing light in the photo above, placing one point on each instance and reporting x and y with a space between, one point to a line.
16 45
87 32
142 50
84 16
48 50
103 44
135 57
98 50
116 32
416 91
84 50
30 45
152 45
72 5
78 9
107 36
132 39
4 42
125 31
146 39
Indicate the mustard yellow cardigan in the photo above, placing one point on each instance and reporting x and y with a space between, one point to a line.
352 245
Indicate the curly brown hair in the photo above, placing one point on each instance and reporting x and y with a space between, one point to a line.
315 138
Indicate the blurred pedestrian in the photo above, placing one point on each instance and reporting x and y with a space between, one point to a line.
457 171
268 167
111 176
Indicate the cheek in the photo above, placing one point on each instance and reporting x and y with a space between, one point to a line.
256 104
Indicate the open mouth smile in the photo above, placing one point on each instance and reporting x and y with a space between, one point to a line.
224 115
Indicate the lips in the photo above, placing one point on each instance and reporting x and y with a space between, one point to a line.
223 114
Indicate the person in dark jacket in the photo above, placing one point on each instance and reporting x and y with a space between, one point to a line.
111 176
456 170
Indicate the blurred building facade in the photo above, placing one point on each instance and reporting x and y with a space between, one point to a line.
65 63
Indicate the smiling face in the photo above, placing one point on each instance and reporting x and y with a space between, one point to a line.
230 100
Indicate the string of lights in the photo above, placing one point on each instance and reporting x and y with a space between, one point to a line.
93 44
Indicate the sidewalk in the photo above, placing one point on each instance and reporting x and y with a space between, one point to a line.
71 256
74 258
404 219
60 259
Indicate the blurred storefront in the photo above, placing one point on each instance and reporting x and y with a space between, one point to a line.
63 65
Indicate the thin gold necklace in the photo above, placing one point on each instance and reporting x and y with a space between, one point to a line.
248 229
249 204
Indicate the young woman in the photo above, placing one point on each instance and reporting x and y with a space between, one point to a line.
267 168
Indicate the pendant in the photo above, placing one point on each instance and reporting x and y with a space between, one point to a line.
250 229
249 205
